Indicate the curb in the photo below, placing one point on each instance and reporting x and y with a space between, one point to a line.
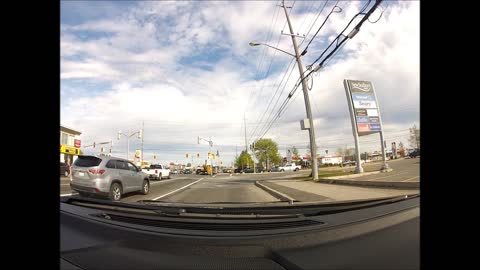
352 175
275 193
406 185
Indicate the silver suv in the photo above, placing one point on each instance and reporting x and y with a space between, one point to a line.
107 176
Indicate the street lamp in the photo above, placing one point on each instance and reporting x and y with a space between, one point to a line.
128 138
253 44
311 129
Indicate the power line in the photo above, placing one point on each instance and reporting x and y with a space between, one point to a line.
273 108
264 51
321 26
338 36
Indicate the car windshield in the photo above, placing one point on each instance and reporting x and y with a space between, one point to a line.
239 102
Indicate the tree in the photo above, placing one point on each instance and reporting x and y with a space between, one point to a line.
414 139
266 151
295 151
402 149
244 160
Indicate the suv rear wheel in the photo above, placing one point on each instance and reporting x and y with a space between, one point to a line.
115 192
145 187
160 176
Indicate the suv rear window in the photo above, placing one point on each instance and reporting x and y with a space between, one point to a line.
155 166
87 161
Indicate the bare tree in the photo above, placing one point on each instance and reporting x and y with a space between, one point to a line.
414 139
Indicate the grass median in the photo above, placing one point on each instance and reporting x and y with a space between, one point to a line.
322 174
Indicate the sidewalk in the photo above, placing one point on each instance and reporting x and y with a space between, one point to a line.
326 192
405 174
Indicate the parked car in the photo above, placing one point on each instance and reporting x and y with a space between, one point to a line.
64 169
290 167
187 171
227 170
348 163
260 169
106 176
248 170
275 169
415 153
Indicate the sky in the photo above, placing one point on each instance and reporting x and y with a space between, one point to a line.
185 69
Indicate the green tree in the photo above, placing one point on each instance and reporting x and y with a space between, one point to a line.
244 160
266 151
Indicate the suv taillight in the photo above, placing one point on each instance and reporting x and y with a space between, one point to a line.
156 171
96 171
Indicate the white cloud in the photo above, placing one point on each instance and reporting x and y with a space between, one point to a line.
140 54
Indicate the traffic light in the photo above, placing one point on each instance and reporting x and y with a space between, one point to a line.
119 135
155 157
186 155
198 155
93 144
101 149
140 133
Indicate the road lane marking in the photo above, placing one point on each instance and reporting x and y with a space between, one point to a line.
410 178
178 189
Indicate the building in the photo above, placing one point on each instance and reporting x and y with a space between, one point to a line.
69 144
331 160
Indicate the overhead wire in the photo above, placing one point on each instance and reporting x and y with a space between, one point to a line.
273 108
328 56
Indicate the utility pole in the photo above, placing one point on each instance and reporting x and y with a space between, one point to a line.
143 126
311 130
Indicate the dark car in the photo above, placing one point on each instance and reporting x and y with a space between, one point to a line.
64 169
238 170
248 170
415 153
227 170
260 169
187 171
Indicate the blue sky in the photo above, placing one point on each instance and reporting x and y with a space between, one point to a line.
186 70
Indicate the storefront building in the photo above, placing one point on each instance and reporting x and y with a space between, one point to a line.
69 144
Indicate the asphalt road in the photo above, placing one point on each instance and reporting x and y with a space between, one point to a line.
241 188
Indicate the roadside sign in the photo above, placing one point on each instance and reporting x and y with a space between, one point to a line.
364 115
364 103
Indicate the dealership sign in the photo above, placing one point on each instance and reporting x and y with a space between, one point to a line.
77 143
363 102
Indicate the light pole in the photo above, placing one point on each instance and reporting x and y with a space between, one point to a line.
311 130
210 143
128 135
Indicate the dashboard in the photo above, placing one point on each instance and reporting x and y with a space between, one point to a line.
379 237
